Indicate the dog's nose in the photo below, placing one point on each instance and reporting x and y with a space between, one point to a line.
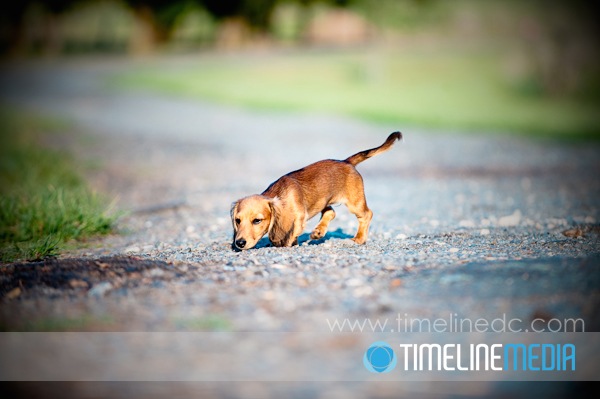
241 243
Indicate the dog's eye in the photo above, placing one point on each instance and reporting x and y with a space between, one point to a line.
256 221
237 221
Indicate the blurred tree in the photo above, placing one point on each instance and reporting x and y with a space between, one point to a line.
151 28
257 13
15 37
562 41
240 21
155 18
53 38
255 17
12 26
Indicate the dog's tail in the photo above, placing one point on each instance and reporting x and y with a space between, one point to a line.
364 155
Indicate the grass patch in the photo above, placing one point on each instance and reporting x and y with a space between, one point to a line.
44 202
456 88
205 323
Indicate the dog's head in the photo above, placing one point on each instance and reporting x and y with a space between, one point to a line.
252 217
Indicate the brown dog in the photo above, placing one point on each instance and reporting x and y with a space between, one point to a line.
283 209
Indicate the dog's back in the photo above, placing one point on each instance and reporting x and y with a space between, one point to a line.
321 184
330 181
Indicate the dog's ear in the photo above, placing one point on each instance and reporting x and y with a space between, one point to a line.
233 211
282 224
275 208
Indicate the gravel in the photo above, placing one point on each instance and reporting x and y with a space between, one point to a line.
440 202
472 224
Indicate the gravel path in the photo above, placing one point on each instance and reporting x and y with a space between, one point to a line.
471 224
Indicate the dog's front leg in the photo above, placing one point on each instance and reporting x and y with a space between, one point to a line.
299 224
327 215
295 232
290 237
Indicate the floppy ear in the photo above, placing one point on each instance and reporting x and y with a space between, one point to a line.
233 211
282 224
275 208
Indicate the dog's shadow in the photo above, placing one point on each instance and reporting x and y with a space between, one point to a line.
305 238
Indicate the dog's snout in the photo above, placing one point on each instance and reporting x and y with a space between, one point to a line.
241 243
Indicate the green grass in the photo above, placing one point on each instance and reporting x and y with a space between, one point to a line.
44 202
448 88
213 322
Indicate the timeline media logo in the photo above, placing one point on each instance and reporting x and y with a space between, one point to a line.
380 358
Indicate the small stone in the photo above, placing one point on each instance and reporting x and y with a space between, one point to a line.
455 278
261 273
268 295
395 283
510 220
102 265
156 272
100 289
182 267
75 283
575 232
132 249
353 282
362 291
14 293
401 236
453 250
302 282
484 232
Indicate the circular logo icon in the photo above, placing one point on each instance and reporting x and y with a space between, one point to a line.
380 358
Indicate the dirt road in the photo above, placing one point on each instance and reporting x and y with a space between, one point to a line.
465 224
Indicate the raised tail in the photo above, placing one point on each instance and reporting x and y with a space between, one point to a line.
364 155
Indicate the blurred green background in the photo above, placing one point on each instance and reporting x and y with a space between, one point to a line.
515 66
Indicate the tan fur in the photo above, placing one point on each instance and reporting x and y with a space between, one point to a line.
283 209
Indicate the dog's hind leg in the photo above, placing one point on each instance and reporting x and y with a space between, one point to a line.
327 215
358 206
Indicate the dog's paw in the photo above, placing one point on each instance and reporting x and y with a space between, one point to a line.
317 234
359 241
